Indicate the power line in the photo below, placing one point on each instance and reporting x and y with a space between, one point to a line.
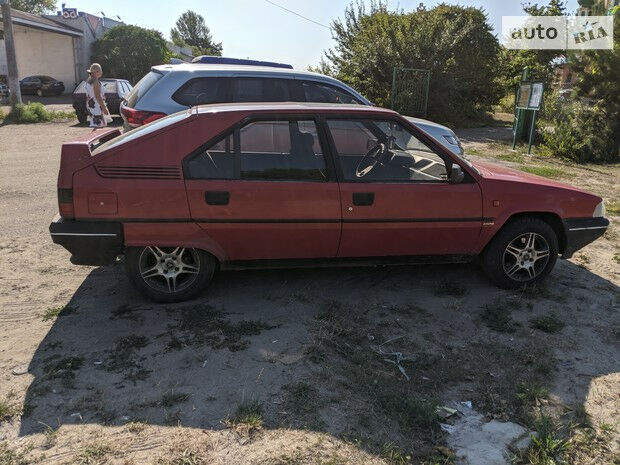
297 14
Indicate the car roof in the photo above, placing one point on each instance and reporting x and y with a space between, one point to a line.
291 107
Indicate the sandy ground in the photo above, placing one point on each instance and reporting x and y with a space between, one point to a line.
117 378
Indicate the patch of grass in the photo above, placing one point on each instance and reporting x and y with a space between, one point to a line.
136 426
124 359
511 156
185 457
10 456
617 257
8 409
249 414
394 455
54 312
544 171
612 207
548 323
202 325
447 287
410 411
35 112
530 393
302 405
497 316
170 399
93 453
546 448
63 368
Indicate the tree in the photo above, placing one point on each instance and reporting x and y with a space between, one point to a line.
455 43
36 7
128 52
539 62
192 31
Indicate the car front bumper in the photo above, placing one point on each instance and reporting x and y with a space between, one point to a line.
92 243
581 232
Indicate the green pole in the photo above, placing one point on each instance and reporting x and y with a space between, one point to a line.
393 87
529 144
428 85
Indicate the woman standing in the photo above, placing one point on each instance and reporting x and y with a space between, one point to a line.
95 102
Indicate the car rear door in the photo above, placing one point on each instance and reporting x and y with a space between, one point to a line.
265 191
405 206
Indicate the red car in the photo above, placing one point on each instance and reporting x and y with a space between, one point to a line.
281 184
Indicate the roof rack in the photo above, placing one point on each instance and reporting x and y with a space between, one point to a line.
215 60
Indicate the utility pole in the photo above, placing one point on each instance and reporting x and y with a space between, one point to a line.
11 60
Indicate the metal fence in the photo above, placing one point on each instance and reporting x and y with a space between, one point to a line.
410 91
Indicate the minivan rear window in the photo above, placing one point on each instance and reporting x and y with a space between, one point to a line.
142 87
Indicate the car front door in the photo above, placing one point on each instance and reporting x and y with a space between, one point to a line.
264 191
395 194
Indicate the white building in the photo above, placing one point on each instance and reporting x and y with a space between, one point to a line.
42 47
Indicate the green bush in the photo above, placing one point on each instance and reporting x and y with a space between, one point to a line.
577 132
507 103
35 112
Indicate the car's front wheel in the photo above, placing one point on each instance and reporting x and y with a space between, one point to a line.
524 252
169 274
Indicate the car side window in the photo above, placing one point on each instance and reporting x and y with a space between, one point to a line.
261 90
200 91
375 150
325 93
264 150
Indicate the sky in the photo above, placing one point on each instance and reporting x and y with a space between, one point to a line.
259 30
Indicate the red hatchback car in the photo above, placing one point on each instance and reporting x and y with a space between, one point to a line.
280 184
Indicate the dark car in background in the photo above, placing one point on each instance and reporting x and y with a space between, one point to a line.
41 85
114 91
4 90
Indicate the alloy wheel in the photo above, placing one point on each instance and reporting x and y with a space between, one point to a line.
169 269
526 257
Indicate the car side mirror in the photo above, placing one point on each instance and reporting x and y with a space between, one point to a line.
456 174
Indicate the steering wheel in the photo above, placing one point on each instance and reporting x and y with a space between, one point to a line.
368 162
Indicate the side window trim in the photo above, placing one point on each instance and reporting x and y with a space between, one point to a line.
234 132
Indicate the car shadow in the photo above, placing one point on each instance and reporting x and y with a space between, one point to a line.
111 357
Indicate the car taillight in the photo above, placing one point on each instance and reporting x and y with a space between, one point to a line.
65 202
137 118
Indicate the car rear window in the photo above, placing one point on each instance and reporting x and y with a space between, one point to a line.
142 87
203 90
142 131
108 86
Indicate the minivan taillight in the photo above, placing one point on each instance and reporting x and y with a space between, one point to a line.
137 118
65 203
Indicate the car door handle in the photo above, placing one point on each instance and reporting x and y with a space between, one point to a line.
217 197
363 198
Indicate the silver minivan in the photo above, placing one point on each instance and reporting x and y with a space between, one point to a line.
167 89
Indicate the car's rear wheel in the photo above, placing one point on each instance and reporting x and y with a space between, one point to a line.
82 117
169 274
39 92
524 252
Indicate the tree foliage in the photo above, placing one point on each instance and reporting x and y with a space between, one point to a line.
128 52
455 43
192 31
539 62
36 7
592 118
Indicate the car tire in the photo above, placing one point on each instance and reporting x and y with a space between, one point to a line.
39 93
82 117
522 253
154 271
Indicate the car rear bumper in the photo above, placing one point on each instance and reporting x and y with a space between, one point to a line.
581 232
92 243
